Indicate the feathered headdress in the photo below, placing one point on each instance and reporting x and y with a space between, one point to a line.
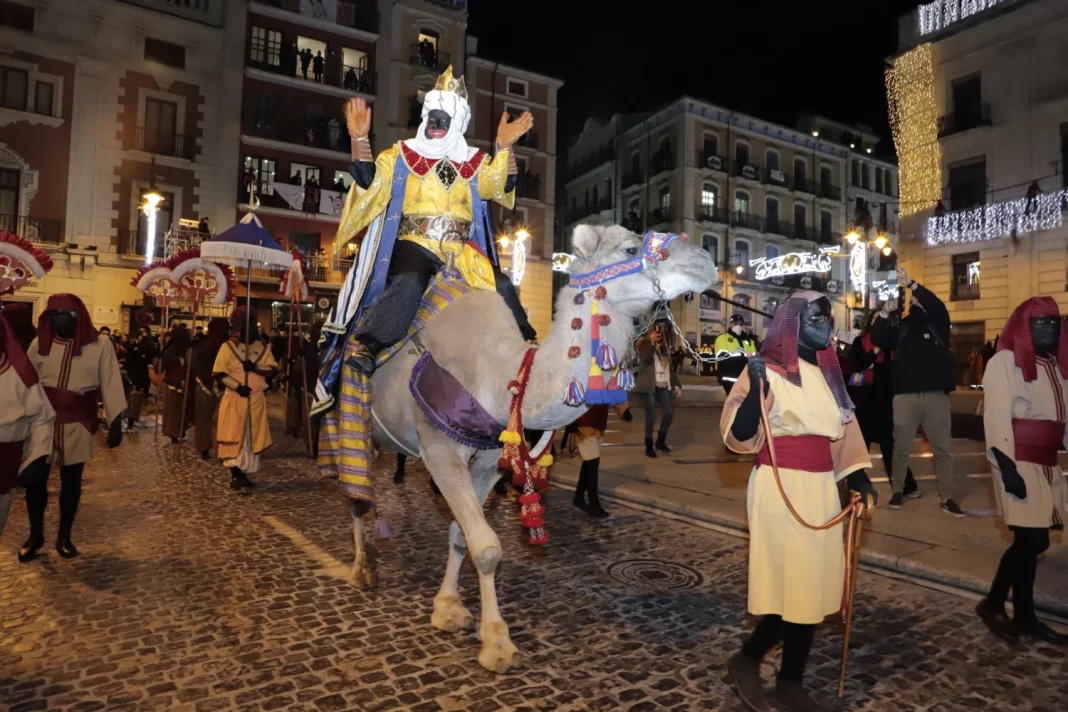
157 281
202 280
20 262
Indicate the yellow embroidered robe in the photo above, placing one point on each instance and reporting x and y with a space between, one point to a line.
234 411
427 195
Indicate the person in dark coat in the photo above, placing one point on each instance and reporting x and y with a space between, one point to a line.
140 353
176 398
871 385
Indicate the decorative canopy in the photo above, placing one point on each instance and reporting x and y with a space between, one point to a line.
20 262
185 275
247 241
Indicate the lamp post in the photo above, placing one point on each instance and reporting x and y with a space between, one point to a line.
861 251
150 207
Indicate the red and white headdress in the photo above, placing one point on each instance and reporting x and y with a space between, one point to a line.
186 276
20 262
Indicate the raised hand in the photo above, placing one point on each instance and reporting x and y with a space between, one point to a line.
358 118
903 276
1010 476
508 132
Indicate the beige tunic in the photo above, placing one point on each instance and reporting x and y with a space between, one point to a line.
1006 396
27 416
243 421
796 572
96 367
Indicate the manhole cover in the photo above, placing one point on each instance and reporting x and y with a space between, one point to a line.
655 575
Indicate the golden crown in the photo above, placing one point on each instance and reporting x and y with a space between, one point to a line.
447 82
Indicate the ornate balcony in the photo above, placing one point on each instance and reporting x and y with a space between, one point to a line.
39 230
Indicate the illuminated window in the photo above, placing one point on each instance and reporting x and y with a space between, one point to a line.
265 46
709 197
741 202
262 172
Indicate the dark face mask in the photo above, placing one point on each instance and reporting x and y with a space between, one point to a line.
1045 333
437 121
64 324
814 332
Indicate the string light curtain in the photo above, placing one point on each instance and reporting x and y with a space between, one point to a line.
914 123
997 220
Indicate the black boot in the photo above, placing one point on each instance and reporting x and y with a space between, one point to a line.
582 486
595 509
239 480
660 444
66 548
398 476
29 550
649 451
174 440
205 454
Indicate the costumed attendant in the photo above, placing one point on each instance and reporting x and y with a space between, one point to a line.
175 388
243 431
26 419
1024 416
796 574
77 370
589 437
206 388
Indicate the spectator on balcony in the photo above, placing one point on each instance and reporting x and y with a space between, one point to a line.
296 179
428 53
317 66
339 186
305 61
351 82
311 196
333 132
287 58
203 226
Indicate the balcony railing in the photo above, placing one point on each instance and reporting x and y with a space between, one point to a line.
773 176
778 227
342 76
424 54
325 269
711 161
39 230
658 216
964 292
590 208
662 161
710 213
632 178
360 14
208 12
163 143
746 220
327 132
804 185
749 171
586 163
737 266
134 242
528 185
829 191
956 122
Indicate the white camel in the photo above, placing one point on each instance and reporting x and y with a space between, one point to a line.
477 341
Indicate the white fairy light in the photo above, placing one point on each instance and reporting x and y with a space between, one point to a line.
519 257
794 263
884 291
997 220
940 14
858 266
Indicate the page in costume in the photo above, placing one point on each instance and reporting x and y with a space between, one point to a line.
243 432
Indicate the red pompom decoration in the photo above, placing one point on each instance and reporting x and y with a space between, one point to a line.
604 319
576 323
574 352
664 254
600 293
531 498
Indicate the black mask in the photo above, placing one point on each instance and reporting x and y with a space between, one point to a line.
814 333
437 120
64 323
1045 333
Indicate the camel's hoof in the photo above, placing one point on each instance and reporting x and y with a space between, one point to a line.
450 615
363 576
498 653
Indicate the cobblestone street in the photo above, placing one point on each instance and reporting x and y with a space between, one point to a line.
188 597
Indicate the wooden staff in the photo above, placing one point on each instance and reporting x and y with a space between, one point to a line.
160 385
289 366
305 409
186 388
854 569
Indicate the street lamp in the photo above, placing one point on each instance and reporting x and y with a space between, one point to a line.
887 251
880 241
150 207
852 237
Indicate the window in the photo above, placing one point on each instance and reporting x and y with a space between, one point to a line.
709 196
636 163
741 301
966 276
44 98
826 225
855 169
262 172
266 46
771 252
710 145
586 198
878 180
665 198
516 87
826 181
800 169
160 130
305 172
1064 154
771 160
865 177
608 191
741 202
263 112
967 101
771 213
594 194
342 178
16 16
429 36
13 84
741 153
710 244
800 221
967 185
172 55
9 198
741 252
635 206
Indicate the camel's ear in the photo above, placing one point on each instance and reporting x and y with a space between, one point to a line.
584 241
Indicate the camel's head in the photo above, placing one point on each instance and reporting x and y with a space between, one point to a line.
682 268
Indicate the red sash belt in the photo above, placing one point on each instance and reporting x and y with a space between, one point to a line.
10 460
1037 441
810 453
74 407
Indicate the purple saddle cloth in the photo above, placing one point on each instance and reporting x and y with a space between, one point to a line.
451 408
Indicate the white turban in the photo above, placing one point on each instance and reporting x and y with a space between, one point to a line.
453 145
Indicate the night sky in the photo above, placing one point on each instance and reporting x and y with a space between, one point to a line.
770 58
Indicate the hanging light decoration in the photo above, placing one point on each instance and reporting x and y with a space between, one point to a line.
997 220
914 123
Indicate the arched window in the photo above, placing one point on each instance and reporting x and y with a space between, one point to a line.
710 243
741 247
771 160
741 202
665 198
826 180
771 251
800 170
800 221
709 201
741 153
878 179
710 147
743 299
826 225
855 169
771 213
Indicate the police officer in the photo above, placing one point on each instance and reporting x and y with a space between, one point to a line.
739 346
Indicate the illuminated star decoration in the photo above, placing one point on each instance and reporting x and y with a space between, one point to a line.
914 123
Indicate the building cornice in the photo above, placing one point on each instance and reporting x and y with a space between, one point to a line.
296 18
297 148
515 71
286 213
